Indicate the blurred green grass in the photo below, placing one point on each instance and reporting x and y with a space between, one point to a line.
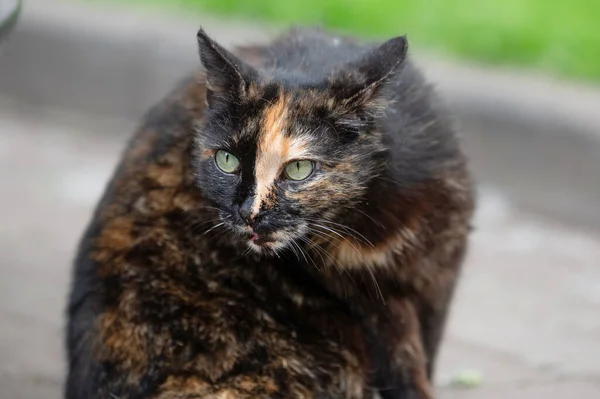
557 37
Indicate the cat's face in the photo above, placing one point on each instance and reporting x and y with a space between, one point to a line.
282 165
277 159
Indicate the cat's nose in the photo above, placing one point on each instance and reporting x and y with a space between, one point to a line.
245 210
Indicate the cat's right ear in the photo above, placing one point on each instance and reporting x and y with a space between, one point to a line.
227 77
358 84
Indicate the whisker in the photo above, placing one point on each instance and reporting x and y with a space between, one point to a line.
365 214
305 240
310 245
341 236
188 213
340 269
303 253
348 229
212 228
244 253
294 250
312 260
320 250
377 287
333 240
196 226
204 207
300 249
202 222
397 183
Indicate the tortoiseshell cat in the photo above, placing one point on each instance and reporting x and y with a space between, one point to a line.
288 223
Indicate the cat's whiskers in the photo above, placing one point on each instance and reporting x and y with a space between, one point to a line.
339 235
311 245
377 287
375 283
302 252
204 207
245 252
294 249
212 228
332 240
388 180
196 226
347 229
365 214
321 251
196 220
326 237
189 213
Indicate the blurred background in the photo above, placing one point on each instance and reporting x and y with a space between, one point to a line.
520 76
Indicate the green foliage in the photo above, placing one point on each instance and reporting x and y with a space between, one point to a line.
561 37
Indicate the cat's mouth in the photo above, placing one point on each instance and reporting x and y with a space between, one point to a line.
266 243
261 239
263 243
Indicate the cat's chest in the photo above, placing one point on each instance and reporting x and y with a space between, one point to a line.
228 317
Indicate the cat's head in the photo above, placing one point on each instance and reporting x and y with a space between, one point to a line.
277 155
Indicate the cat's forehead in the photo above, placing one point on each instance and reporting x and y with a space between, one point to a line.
285 108
279 133
284 120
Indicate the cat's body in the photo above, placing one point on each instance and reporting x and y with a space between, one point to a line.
195 283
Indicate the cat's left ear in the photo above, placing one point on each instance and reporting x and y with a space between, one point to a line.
358 82
227 77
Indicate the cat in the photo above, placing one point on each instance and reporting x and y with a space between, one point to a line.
289 222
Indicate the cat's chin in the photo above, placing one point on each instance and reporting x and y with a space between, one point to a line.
267 248
269 244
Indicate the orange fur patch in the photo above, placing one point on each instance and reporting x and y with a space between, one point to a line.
275 149
116 236
352 252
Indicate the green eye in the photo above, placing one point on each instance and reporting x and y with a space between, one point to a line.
227 162
299 170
